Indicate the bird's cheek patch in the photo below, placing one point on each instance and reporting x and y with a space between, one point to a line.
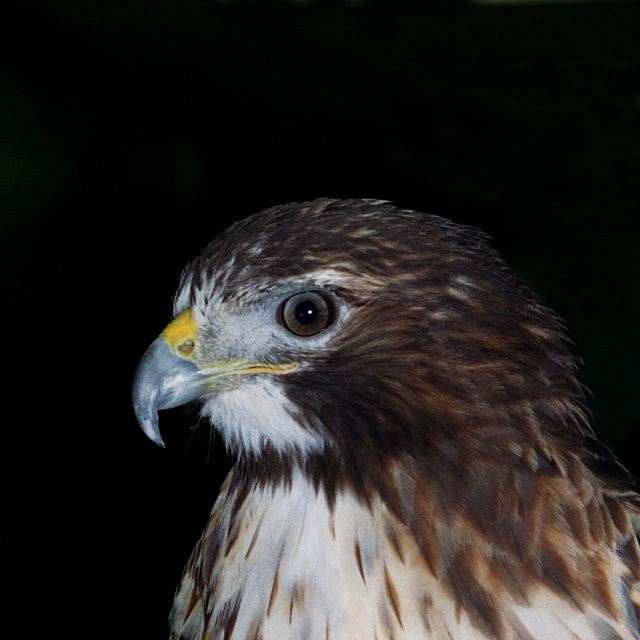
181 334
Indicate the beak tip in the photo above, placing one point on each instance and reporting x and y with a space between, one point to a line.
153 434
149 424
160 442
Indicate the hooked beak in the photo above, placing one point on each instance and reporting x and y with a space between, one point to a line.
168 375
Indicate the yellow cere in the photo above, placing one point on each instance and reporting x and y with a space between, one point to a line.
181 334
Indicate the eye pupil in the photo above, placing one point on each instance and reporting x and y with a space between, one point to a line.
307 313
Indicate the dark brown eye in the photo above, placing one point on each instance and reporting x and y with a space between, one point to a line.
306 314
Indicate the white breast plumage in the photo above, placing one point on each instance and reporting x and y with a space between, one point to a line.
283 565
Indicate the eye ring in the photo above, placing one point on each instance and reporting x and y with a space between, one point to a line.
307 313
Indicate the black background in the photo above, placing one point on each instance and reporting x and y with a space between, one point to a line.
132 132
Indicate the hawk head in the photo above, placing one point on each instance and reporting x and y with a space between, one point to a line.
339 335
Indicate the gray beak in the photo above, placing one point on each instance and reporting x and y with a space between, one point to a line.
164 379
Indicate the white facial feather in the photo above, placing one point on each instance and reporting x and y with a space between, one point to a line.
254 410
255 413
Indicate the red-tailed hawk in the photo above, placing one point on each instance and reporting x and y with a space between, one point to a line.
414 455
